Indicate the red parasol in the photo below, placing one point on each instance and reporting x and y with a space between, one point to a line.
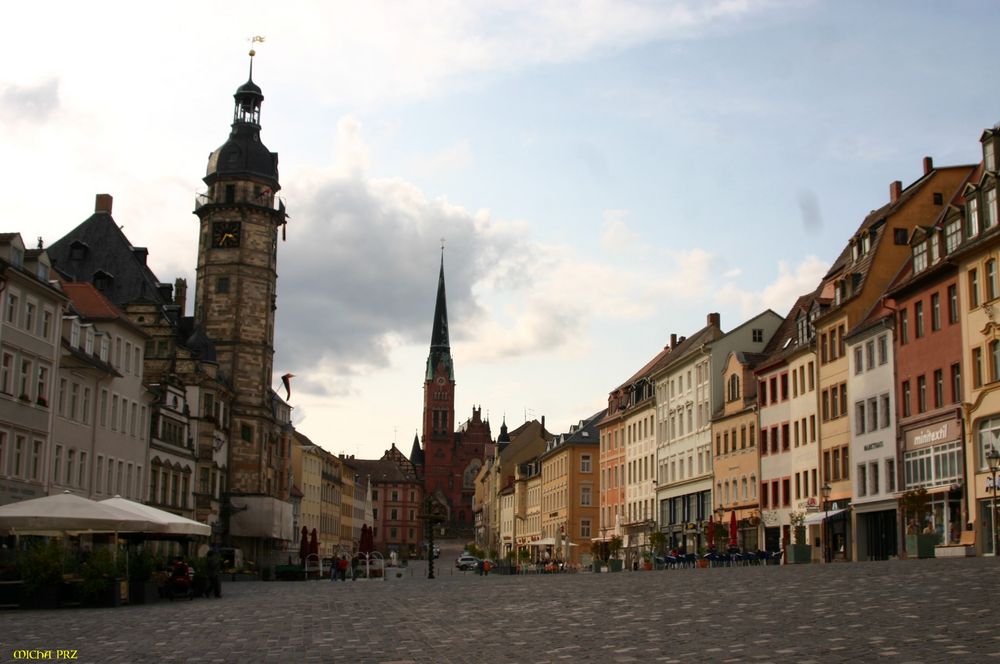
367 543
732 530
710 534
304 545
313 544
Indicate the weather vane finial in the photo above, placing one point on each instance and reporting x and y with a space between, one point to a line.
253 40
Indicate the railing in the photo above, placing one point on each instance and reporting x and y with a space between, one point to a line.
265 199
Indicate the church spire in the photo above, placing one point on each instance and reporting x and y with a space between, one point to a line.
440 346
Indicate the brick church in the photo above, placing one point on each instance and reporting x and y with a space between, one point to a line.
451 456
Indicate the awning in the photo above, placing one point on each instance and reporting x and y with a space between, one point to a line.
817 517
548 541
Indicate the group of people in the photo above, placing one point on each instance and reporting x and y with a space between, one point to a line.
341 565
181 577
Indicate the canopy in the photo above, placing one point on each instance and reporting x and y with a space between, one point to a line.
161 521
817 517
68 512
548 541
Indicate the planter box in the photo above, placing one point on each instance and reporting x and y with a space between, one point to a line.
143 592
616 565
800 554
41 598
920 546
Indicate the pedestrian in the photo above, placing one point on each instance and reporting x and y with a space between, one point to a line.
479 568
342 567
212 565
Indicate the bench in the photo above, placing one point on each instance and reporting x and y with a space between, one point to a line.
966 547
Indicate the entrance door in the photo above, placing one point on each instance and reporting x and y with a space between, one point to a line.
880 535
772 539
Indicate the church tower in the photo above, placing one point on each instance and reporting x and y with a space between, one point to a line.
235 293
439 402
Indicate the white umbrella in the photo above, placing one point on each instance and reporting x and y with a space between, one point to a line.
165 522
67 512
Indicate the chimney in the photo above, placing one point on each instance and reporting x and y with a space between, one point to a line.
928 165
895 191
673 341
165 291
103 204
141 253
180 293
543 422
714 320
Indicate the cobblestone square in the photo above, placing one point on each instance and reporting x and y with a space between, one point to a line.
902 611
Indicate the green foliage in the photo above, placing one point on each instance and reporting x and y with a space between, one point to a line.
41 565
524 554
615 546
99 573
916 506
474 550
140 566
659 540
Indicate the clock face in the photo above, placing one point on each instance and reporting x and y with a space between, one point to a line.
440 380
226 234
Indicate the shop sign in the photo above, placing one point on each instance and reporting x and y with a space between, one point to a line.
873 446
933 434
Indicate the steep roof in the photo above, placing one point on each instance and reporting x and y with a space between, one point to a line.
785 341
99 245
380 470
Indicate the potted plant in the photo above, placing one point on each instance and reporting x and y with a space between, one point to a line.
199 582
915 505
647 560
799 552
41 572
141 587
658 540
615 564
100 579
702 560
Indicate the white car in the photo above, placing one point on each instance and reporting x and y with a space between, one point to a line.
466 562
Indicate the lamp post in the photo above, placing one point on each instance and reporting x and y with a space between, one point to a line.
719 513
993 458
826 489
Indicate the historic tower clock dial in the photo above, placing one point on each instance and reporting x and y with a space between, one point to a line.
225 234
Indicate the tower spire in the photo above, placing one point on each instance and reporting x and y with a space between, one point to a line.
440 346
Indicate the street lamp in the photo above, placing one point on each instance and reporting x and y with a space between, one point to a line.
826 489
993 458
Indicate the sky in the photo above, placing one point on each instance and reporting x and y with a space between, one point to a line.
603 173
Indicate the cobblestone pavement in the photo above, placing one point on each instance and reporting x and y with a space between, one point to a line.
903 611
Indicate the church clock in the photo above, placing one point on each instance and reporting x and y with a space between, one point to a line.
226 234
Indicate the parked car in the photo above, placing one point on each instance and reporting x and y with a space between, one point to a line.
466 562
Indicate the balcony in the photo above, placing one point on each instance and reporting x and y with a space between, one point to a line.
264 199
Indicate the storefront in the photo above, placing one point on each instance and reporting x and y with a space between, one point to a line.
933 459
687 519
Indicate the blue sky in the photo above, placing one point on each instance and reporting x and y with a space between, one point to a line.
605 173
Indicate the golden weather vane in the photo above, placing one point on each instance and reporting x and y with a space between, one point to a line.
254 40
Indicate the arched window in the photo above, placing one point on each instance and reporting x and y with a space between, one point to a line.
734 387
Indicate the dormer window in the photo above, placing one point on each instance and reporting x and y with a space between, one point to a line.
952 235
734 387
105 345
89 343
920 257
102 280
972 218
74 334
77 250
865 245
17 256
990 213
935 242
855 250
989 158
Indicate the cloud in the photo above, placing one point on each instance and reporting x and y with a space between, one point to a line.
361 277
779 294
30 104
457 157
616 235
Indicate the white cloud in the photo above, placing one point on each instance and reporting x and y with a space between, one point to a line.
456 157
780 294
616 235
